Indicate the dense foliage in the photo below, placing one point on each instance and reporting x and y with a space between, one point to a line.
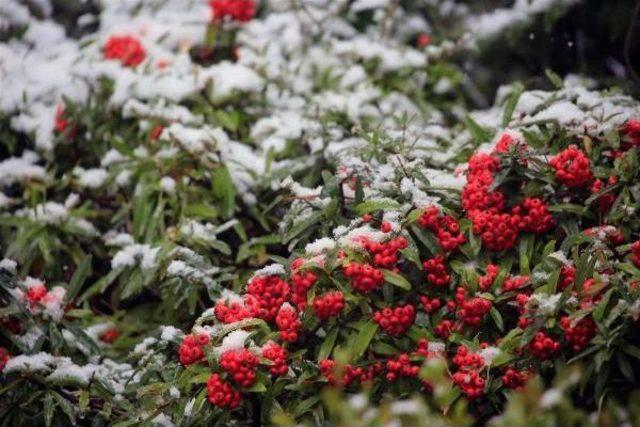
257 213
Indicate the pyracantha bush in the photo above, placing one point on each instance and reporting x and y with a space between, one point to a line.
362 246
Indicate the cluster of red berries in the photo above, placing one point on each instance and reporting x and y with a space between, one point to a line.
240 365
437 271
35 294
430 305
236 10
401 366
278 357
328 305
364 277
4 358
524 320
221 393
445 228
343 375
371 372
385 254
110 335
543 347
534 216
470 383
397 320
572 167
631 130
485 281
235 311
126 49
578 334
466 359
514 283
514 379
443 328
270 292
471 311
301 282
190 350
567 276
498 231
605 201
507 142
155 132
498 227
635 253
477 194
63 124
288 323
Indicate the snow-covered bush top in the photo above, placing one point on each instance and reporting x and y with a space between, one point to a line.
210 211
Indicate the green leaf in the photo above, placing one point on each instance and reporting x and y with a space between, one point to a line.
224 190
555 79
396 280
632 350
479 134
375 205
362 340
526 252
598 312
304 406
497 317
303 225
78 279
66 406
511 103
427 239
328 343
257 387
48 409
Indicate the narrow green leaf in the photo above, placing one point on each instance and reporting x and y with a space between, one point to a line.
555 79
328 343
224 190
48 409
511 103
396 280
479 134
78 279
362 340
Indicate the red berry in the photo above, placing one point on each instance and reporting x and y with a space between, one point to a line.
328 305
395 321
572 167
126 49
221 393
241 365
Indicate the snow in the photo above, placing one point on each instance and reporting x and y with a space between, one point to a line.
496 22
234 341
92 178
118 239
56 214
21 168
8 265
30 363
168 185
112 157
178 268
270 270
489 354
170 333
300 191
320 246
229 78
130 255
